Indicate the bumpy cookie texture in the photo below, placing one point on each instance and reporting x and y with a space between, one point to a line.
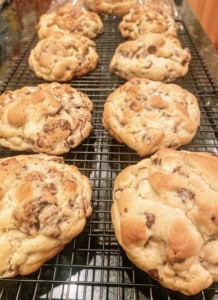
44 205
111 7
152 56
150 115
63 56
165 214
69 18
49 118
142 19
165 6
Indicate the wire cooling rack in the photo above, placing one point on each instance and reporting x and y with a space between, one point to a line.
93 266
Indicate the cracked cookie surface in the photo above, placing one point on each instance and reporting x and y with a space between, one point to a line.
70 19
149 115
111 7
165 214
44 205
63 56
142 19
154 56
49 118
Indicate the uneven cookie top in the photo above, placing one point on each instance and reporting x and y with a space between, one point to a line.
142 19
165 6
152 56
149 115
70 19
63 56
111 7
165 214
44 205
51 118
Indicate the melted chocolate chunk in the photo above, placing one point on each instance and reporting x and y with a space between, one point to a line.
50 187
185 194
70 141
150 219
178 169
154 274
213 218
152 49
156 161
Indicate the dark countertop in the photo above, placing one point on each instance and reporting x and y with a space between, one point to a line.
201 40
17 25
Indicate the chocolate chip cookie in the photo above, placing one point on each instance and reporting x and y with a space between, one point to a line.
69 18
63 56
116 8
165 214
153 56
49 118
142 19
44 205
149 115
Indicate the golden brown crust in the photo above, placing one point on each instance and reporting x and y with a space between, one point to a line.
164 6
63 56
142 19
51 118
135 112
165 215
111 7
153 56
70 19
44 206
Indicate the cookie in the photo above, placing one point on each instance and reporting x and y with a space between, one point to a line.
142 19
153 56
49 118
44 205
149 115
165 6
165 214
63 56
70 19
110 7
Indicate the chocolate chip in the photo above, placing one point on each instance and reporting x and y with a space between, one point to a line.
70 141
213 218
148 241
156 161
150 219
50 187
58 160
154 273
48 127
178 169
133 105
63 124
147 138
152 49
214 154
185 194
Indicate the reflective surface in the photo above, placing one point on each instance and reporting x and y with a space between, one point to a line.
17 24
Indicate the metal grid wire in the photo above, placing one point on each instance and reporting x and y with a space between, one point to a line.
93 266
